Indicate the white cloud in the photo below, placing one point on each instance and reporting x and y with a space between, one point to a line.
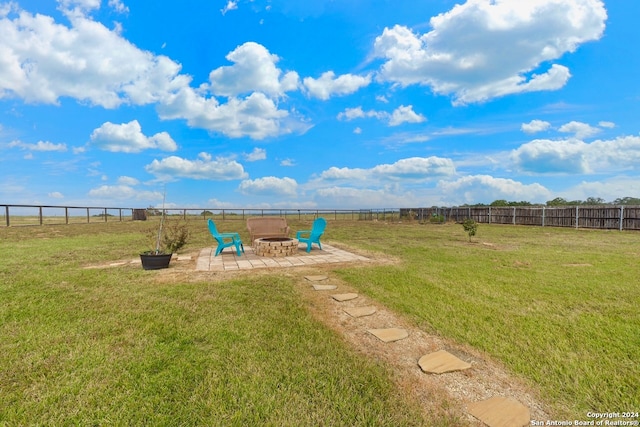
219 169
329 85
128 138
607 189
255 116
414 168
253 70
535 126
39 146
118 6
270 186
404 114
42 61
256 154
358 113
348 174
287 162
123 192
231 5
359 198
579 129
127 180
547 156
484 49
605 124
82 6
485 189
575 156
56 195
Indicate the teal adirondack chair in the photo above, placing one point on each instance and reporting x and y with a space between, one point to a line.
220 238
313 235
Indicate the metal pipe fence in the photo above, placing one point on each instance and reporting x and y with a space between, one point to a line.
598 217
22 215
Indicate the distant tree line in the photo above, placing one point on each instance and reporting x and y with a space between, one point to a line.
559 201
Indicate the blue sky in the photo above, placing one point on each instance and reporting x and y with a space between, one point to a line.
318 104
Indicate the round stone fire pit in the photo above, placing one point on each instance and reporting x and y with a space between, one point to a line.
276 246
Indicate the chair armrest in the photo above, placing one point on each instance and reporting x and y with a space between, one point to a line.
302 232
229 234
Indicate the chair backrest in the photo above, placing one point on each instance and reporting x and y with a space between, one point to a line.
212 228
266 224
318 227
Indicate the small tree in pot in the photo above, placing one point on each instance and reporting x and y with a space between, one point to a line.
175 237
168 239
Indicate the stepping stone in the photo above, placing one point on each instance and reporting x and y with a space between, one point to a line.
389 335
441 362
344 297
316 278
324 287
501 412
360 311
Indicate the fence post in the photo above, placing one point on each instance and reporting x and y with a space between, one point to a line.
543 213
66 215
577 215
40 214
621 217
6 214
105 214
514 215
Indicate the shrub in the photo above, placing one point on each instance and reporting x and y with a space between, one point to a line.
470 227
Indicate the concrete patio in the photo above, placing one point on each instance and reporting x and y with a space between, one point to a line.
228 260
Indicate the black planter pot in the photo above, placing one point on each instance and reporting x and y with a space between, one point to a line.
152 261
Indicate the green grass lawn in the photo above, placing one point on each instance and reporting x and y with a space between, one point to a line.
117 346
558 307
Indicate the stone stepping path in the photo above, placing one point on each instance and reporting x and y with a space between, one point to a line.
320 286
501 412
360 311
316 278
390 334
494 412
440 362
344 297
324 287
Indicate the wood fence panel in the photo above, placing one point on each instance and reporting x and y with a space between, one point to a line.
599 217
529 216
560 217
502 215
631 218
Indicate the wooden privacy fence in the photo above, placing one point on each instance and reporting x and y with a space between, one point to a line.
601 217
